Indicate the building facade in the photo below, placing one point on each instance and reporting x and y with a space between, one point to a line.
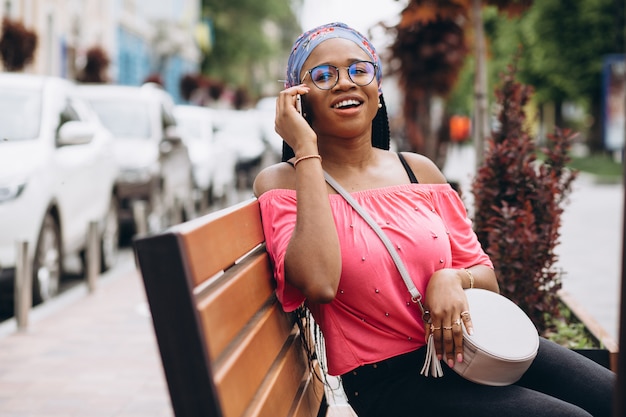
142 38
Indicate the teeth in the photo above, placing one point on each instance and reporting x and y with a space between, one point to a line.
346 103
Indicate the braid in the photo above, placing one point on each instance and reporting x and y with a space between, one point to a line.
288 153
380 132
380 127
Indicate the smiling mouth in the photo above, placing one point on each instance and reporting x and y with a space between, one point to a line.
347 104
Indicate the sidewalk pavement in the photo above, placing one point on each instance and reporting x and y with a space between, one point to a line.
85 355
591 249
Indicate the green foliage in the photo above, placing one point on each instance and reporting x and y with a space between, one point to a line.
562 44
248 36
565 42
503 37
568 331
518 205
599 164
461 98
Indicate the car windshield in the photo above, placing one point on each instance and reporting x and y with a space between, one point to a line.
19 114
125 119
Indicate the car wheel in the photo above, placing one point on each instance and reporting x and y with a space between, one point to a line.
47 261
109 241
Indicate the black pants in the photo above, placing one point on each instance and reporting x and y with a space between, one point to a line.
560 382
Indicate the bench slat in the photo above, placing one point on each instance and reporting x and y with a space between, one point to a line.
217 245
313 394
225 310
250 360
286 379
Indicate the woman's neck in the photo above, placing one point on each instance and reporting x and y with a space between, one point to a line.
346 154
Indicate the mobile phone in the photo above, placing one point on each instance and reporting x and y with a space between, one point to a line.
299 103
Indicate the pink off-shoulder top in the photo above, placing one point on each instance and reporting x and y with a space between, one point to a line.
372 318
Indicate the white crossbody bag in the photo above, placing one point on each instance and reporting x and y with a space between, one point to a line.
504 342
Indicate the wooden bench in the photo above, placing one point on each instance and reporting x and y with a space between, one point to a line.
227 347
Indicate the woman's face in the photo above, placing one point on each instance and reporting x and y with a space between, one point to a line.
346 110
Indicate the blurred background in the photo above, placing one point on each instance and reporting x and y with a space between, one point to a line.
184 91
442 58
121 118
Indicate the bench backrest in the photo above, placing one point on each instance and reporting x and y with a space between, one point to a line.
227 347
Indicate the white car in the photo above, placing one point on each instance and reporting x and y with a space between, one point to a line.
57 173
153 161
213 160
240 131
266 109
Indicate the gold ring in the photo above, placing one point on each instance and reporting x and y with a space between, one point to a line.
433 328
457 322
447 328
465 316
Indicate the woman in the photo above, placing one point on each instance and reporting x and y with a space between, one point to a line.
328 258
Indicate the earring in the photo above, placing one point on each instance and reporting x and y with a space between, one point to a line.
380 105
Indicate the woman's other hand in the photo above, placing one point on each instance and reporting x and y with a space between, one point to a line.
448 308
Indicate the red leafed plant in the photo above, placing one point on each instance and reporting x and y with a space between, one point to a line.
96 66
518 205
17 45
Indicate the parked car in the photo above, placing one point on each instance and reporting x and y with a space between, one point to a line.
57 173
153 161
240 130
213 161
266 110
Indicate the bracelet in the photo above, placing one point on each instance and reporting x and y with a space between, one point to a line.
471 277
302 158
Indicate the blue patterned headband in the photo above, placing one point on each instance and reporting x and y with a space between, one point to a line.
308 41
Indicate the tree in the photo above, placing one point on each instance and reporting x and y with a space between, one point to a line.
95 67
248 36
562 48
17 45
564 43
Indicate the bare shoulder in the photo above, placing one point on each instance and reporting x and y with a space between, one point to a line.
424 169
280 175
